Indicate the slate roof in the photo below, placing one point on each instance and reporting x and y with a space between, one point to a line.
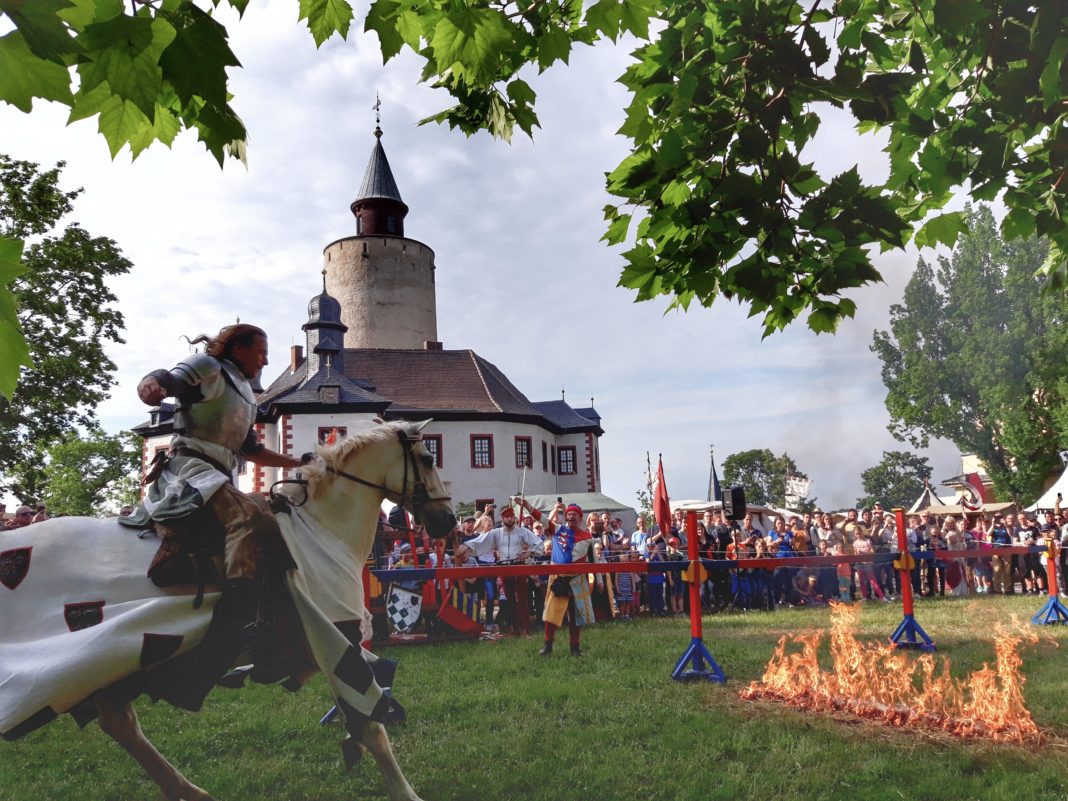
310 393
568 419
448 384
378 181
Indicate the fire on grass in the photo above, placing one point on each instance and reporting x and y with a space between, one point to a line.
882 683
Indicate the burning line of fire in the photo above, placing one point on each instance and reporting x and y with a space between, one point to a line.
879 682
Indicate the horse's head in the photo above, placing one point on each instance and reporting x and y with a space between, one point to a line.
392 458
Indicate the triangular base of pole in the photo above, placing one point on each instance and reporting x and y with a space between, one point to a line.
1053 611
704 666
910 634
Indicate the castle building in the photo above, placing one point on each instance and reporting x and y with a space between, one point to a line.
372 350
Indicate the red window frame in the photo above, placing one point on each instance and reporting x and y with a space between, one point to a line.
573 451
489 454
524 460
438 450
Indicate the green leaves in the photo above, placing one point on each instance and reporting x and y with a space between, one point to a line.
13 350
943 229
24 75
326 17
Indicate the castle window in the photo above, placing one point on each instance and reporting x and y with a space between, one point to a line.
433 444
481 450
544 456
325 433
522 452
359 225
566 453
391 224
552 457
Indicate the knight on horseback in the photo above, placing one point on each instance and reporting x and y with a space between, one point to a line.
193 505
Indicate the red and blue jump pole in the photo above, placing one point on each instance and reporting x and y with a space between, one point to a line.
909 633
696 662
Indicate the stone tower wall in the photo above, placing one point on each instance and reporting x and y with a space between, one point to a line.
386 289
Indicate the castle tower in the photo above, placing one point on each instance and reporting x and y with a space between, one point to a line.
383 280
325 332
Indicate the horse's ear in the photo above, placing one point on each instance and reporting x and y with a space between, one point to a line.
418 427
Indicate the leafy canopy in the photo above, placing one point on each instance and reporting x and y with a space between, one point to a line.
92 475
896 482
975 355
718 197
66 309
762 475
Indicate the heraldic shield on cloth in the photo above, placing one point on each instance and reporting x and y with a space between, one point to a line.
78 614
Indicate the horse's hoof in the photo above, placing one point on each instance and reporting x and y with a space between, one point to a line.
353 751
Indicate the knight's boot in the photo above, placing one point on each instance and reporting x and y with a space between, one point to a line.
218 651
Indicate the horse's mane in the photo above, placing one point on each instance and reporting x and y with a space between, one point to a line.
333 456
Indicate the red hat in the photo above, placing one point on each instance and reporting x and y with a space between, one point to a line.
673 541
508 510
573 507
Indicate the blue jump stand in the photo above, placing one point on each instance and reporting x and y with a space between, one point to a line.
910 634
1053 611
704 666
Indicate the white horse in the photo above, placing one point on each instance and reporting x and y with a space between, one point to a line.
82 630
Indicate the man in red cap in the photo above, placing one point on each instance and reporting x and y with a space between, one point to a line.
513 545
568 596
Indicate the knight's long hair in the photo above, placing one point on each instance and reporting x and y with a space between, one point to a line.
221 344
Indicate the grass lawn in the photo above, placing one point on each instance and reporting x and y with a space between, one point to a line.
494 721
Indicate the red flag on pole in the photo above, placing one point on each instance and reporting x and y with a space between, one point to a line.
661 507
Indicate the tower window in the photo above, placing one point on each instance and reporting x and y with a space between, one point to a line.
391 224
359 225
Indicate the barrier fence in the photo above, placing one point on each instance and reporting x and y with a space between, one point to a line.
696 661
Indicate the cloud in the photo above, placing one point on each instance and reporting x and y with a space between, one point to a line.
522 277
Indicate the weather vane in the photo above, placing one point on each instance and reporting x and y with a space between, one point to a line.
378 109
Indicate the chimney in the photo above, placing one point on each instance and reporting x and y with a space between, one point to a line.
429 344
296 357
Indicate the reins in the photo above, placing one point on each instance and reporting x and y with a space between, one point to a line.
416 498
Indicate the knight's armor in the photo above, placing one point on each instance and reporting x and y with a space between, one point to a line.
216 407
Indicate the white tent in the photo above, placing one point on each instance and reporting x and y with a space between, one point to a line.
763 517
1049 497
927 499
589 502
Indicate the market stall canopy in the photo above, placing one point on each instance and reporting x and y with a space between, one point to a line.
590 502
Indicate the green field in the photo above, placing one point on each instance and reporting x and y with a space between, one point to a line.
494 721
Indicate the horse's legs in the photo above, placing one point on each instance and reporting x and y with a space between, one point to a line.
119 721
376 741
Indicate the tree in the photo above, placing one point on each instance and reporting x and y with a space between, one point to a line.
67 312
975 355
726 94
761 474
896 481
91 475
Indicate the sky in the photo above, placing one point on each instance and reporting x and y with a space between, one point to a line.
522 277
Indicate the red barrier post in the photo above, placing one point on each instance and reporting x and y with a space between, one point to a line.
695 575
1053 611
909 633
703 665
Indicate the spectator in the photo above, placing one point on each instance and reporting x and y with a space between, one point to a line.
999 536
676 586
23 517
602 593
655 581
568 598
513 545
626 586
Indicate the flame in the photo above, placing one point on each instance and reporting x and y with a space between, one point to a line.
880 682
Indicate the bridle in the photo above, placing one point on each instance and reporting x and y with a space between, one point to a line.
414 499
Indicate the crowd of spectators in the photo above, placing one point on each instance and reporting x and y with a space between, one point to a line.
625 594
23 516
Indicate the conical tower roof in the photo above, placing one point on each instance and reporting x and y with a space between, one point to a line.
378 181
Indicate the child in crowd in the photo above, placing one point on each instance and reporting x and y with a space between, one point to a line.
626 586
845 573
